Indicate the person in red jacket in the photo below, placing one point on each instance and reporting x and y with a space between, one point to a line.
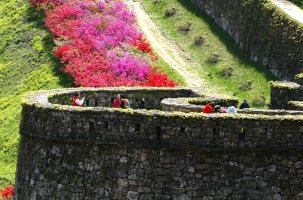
209 108
116 103
77 101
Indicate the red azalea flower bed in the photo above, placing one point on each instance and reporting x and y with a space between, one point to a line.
99 45
7 193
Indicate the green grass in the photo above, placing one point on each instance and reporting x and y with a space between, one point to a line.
216 41
26 64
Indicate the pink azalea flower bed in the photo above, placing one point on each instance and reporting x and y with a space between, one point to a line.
99 44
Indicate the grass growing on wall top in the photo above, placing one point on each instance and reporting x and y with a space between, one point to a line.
217 59
26 64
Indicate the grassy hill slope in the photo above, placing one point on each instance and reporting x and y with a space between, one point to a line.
215 56
26 64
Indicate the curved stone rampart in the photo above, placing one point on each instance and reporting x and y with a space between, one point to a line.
71 152
185 105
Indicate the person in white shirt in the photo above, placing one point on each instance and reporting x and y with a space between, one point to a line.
77 101
125 101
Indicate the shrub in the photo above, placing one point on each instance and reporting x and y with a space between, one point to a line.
246 85
213 59
7 192
170 12
199 41
185 28
226 71
259 101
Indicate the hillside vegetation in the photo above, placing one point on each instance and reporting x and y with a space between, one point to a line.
26 64
214 55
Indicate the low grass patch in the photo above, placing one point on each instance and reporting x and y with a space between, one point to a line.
215 51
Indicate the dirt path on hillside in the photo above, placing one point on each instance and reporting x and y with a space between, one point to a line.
292 10
164 47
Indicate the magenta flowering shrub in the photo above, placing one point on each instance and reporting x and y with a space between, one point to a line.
99 44
127 65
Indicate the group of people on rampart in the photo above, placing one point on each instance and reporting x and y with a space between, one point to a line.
120 101
213 108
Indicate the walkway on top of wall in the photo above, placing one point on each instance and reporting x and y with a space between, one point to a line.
292 10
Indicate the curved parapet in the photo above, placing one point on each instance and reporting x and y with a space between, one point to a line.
97 152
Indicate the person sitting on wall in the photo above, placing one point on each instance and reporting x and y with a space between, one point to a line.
231 109
77 101
126 103
244 104
122 103
141 103
217 108
117 102
209 108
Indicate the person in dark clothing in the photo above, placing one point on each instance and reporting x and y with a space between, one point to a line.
217 108
244 104
141 103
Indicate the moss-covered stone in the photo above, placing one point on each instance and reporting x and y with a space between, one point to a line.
108 153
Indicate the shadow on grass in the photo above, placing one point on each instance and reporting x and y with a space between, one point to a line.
226 40
35 16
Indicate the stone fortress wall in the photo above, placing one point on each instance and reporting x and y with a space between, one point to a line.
268 35
97 152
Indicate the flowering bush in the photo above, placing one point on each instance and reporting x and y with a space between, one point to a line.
7 192
99 45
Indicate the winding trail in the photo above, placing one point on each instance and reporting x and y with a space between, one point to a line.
164 47
290 9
